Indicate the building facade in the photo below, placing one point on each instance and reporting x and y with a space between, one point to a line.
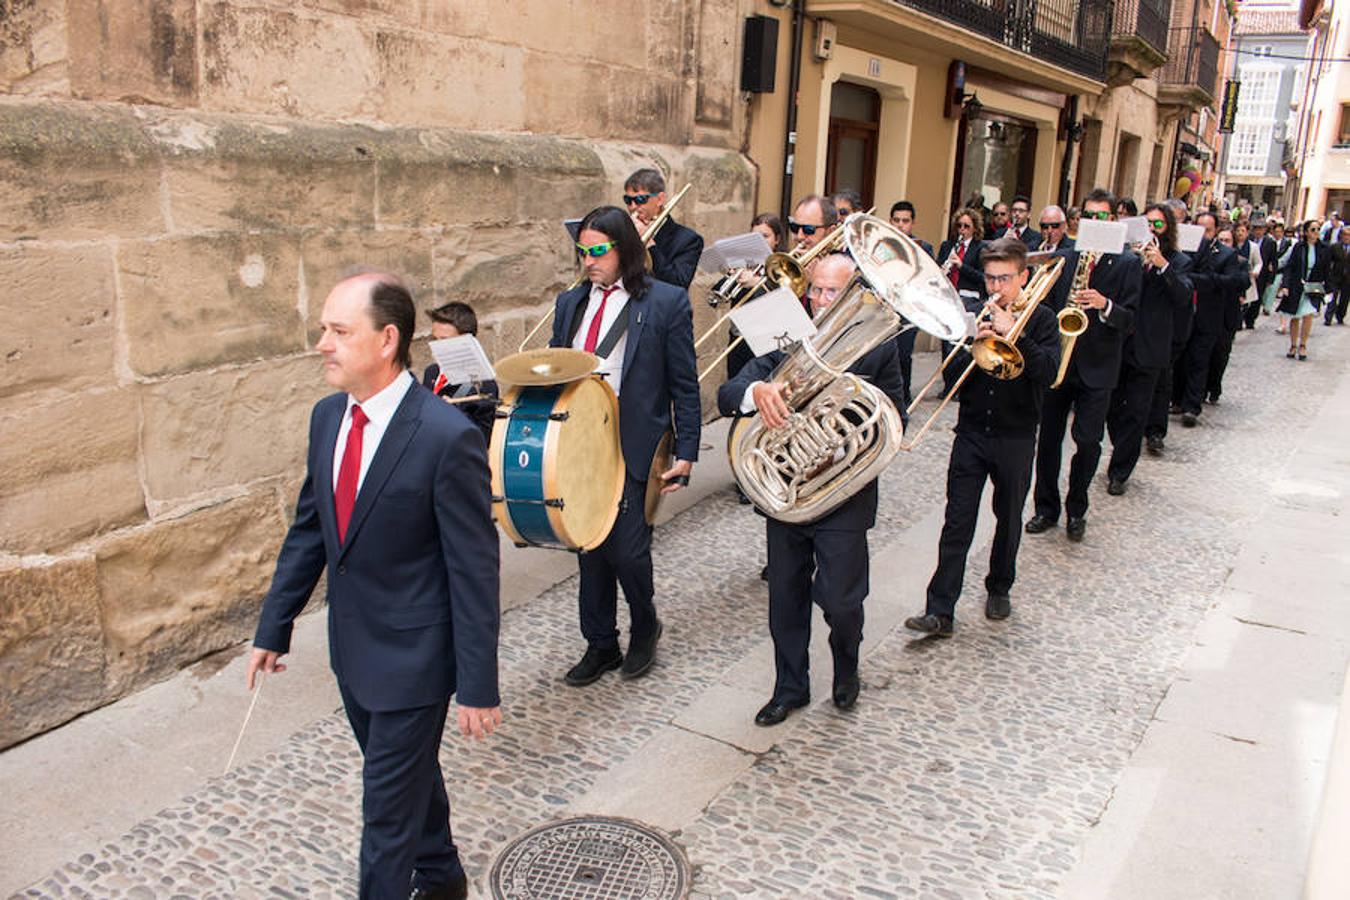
1318 161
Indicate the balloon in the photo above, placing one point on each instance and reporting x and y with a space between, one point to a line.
1182 187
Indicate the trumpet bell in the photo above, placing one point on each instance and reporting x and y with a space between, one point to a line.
784 271
906 278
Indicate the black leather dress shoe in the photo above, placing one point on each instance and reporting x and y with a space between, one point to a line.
997 606
846 692
594 664
938 626
775 711
1075 528
1188 419
1155 445
1039 523
641 654
1115 487
455 890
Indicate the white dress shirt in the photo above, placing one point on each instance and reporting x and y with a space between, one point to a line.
380 410
610 368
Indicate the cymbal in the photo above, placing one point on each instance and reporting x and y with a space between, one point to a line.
547 365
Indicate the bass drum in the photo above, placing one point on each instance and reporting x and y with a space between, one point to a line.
557 468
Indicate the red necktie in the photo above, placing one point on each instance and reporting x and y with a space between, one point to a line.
960 258
441 382
349 474
593 333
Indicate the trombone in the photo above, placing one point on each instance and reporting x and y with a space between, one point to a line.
996 355
648 234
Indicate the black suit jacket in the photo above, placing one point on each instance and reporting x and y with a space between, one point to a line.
1296 272
926 247
881 367
660 371
1162 299
1219 276
972 274
1063 246
482 413
1097 352
1030 236
413 612
1340 267
675 252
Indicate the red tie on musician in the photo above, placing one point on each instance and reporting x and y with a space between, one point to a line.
593 333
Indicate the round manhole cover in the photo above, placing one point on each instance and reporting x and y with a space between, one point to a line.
591 858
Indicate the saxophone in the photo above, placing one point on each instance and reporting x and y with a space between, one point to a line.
1073 321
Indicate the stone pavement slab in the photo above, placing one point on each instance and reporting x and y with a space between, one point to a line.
1021 759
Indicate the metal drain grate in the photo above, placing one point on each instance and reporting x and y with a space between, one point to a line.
591 858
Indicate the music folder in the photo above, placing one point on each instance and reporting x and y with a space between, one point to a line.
774 321
736 252
462 360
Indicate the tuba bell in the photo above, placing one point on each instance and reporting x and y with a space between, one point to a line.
842 431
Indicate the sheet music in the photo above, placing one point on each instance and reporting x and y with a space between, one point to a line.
1189 237
772 321
1096 236
737 252
462 360
1137 230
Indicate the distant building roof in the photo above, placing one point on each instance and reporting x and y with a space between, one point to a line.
1267 21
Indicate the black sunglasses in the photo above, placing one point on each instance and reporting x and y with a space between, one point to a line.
807 230
636 199
1052 224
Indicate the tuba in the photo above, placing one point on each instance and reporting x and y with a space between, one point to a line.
842 431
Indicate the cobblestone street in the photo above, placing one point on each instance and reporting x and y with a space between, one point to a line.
975 767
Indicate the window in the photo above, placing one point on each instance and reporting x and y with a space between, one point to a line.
1343 135
1254 125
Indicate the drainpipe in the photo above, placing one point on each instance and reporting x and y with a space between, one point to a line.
1067 165
794 84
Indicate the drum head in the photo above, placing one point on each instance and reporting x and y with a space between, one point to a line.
583 464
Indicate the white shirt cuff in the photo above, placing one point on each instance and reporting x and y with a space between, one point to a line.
748 398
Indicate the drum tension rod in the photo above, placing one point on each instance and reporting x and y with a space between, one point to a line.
556 503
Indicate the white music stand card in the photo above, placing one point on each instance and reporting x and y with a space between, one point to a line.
462 360
773 321
1096 236
1136 229
1189 237
736 252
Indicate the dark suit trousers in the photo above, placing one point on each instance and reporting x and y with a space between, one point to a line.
405 839
1336 306
1195 365
1165 393
1127 416
828 567
1252 311
623 560
1005 461
904 345
1218 363
1088 406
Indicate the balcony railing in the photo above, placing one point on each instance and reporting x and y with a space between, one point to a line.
1145 18
1074 34
1193 60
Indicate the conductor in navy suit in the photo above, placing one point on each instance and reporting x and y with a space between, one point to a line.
395 505
643 330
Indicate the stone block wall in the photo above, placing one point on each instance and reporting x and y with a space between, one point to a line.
181 181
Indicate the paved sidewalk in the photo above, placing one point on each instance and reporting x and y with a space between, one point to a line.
1152 722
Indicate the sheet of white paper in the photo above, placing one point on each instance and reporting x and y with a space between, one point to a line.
1136 229
736 252
1096 236
1189 237
992 195
773 321
462 359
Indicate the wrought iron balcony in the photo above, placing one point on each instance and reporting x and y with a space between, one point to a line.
1190 77
1074 34
1138 39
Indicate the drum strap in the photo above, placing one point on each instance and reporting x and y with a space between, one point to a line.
616 331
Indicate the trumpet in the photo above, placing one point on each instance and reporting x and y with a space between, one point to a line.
784 270
1073 320
648 234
